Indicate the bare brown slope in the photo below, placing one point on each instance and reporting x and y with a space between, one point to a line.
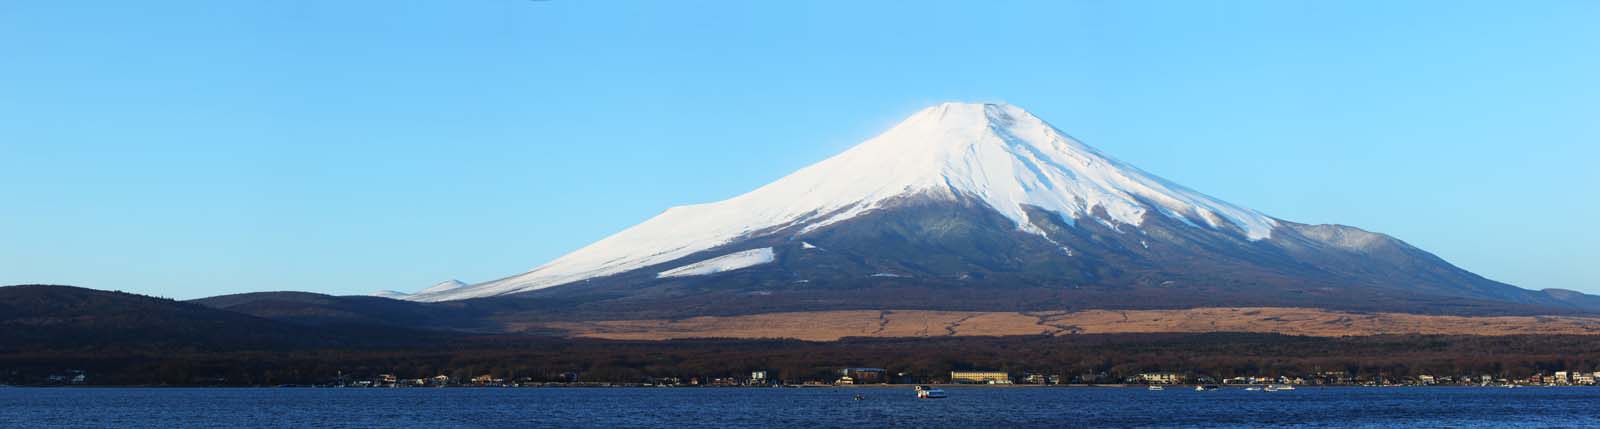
833 325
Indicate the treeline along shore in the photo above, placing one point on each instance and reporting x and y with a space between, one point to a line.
1076 359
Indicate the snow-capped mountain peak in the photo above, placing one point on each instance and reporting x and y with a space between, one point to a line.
995 153
1010 158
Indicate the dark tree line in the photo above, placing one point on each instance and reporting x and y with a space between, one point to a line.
542 359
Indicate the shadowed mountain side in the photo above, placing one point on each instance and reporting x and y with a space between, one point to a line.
929 254
314 309
1575 298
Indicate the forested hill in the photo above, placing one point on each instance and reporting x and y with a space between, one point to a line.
48 317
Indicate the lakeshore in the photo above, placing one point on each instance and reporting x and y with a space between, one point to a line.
1088 359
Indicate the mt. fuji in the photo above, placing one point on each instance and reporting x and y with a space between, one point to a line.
987 207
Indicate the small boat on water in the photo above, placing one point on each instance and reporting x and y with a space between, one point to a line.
1252 388
1155 387
925 392
1207 387
1279 387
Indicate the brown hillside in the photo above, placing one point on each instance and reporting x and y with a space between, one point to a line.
833 325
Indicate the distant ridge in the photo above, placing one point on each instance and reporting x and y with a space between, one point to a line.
45 317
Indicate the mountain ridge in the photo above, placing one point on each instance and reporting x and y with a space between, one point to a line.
986 203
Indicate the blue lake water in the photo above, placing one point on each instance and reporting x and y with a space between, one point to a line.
808 407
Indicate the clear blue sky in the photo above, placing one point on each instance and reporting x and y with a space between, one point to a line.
188 149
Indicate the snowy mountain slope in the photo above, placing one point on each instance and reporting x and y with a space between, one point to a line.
1000 155
962 255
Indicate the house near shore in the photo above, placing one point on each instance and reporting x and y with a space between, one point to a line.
980 377
864 375
1583 378
487 380
1035 378
1161 378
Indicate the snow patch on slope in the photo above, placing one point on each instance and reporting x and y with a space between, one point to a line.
447 285
724 263
391 294
1345 237
440 287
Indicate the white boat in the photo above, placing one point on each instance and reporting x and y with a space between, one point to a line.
1252 388
925 392
1279 387
1153 387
